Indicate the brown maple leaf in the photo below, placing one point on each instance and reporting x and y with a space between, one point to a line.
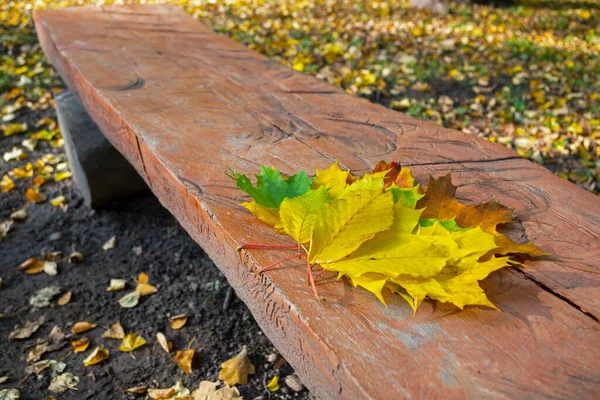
440 202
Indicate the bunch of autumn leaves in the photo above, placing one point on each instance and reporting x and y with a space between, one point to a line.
382 231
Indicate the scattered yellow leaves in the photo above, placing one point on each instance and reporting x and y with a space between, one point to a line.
131 342
82 326
208 391
178 321
81 345
236 370
96 356
116 331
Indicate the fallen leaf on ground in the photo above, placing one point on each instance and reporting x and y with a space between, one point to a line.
35 196
81 345
59 176
32 266
50 268
58 201
6 184
75 258
131 342
10 394
110 243
208 391
178 391
43 297
184 360
82 326
116 284
163 342
273 385
130 300
55 367
236 370
116 331
27 329
96 356
5 228
137 390
19 215
178 321
54 256
14 129
65 298
62 383
14 154
3 379
143 287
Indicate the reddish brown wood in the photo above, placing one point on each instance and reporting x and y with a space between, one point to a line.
183 104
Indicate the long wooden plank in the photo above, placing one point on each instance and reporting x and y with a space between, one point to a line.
182 104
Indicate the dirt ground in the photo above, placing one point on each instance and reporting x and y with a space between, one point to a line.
187 281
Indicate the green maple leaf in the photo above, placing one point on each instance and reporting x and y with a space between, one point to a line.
271 188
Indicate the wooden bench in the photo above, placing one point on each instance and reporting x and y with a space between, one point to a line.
183 104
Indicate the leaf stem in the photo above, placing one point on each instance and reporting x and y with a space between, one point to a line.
276 263
264 246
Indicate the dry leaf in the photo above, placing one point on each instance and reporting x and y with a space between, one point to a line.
110 243
32 266
26 330
131 342
178 321
54 256
81 345
5 228
143 287
236 370
14 154
82 326
65 298
96 356
50 268
137 390
115 332
163 342
178 391
61 383
43 297
58 201
35 196
19 215
59 176
56 367
3 379
184 359
10 394
208 391
273 385
75 258
6 184
130 300
116 284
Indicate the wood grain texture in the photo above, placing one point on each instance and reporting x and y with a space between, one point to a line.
183 104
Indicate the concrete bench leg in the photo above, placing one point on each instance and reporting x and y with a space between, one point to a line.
101 173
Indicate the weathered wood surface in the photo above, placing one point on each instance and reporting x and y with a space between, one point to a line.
183 104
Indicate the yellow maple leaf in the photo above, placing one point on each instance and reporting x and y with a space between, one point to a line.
332 178
297 214
341 226
131 342
267 215
236 370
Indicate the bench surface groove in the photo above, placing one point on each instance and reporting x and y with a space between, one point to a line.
183 103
